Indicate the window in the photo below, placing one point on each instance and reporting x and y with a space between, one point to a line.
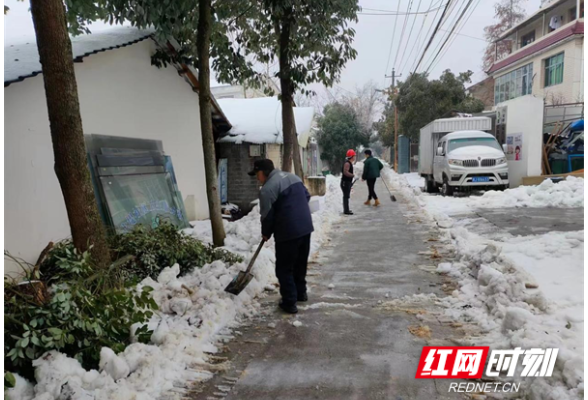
458 143
527 39
554 68
514 84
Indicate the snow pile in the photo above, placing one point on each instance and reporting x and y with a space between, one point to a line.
195 315
567 193
414 180
524 291
23 389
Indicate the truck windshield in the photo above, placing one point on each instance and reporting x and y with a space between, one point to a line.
459 143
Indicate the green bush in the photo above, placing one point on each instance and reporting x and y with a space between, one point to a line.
164 246
86 311
89 309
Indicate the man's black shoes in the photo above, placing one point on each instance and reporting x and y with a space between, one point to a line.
290 309
348 213
303 298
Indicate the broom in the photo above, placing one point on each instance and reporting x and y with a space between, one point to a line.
391 195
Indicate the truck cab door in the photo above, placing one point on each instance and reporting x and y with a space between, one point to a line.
438 161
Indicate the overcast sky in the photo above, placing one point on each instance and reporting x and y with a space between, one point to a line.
374 35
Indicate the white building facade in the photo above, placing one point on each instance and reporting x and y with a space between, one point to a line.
121 94
546 56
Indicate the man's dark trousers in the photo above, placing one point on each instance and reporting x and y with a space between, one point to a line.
372 193
291 264
346 188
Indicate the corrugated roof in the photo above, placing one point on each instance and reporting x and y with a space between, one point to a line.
557 36
21 61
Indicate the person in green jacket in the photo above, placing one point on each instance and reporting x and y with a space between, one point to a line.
371 171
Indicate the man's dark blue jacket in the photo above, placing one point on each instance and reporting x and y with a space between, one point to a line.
283 202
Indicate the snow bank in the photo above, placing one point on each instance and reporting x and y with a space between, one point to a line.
414 180
525 292
520 291
567 193
195 315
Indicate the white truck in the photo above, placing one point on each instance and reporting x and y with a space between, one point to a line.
455 154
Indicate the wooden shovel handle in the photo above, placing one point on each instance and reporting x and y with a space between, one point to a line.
254 257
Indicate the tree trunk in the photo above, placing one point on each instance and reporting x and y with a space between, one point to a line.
203 46
291 146
69 149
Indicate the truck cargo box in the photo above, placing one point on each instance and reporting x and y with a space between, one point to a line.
432 132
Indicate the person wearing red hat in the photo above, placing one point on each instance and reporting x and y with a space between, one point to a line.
347 180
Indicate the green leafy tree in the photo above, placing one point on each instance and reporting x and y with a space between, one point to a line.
196 28
311 41
421 101
339 129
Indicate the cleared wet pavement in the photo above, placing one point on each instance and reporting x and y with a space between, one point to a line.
354 343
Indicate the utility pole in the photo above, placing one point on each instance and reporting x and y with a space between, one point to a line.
394 76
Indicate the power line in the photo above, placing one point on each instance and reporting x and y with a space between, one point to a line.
392 41
449 21
452 29
427 34
391 12
416 42
433 35
458 33
471 37
402 34
409 34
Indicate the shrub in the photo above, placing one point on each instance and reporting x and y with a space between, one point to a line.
86 311
164 246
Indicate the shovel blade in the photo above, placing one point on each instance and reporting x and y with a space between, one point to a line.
239 283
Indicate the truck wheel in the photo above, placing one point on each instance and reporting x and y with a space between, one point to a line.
431 186
446 189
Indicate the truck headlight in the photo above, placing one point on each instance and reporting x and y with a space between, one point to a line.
455 162
501 160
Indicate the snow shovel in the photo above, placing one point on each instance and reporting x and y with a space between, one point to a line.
391 195
244 277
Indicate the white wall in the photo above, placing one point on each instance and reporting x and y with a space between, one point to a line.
571 90
121 94
525 115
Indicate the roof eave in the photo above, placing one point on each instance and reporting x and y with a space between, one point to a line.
530 19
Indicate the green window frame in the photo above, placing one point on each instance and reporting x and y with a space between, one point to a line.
554 69
514 84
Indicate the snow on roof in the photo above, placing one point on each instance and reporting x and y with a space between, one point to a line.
467 134
21 61
259 120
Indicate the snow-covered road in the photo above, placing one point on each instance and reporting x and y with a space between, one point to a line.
521 289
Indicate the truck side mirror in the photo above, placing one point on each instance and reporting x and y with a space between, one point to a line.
439 151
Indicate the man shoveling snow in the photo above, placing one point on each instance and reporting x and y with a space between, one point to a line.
285 214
